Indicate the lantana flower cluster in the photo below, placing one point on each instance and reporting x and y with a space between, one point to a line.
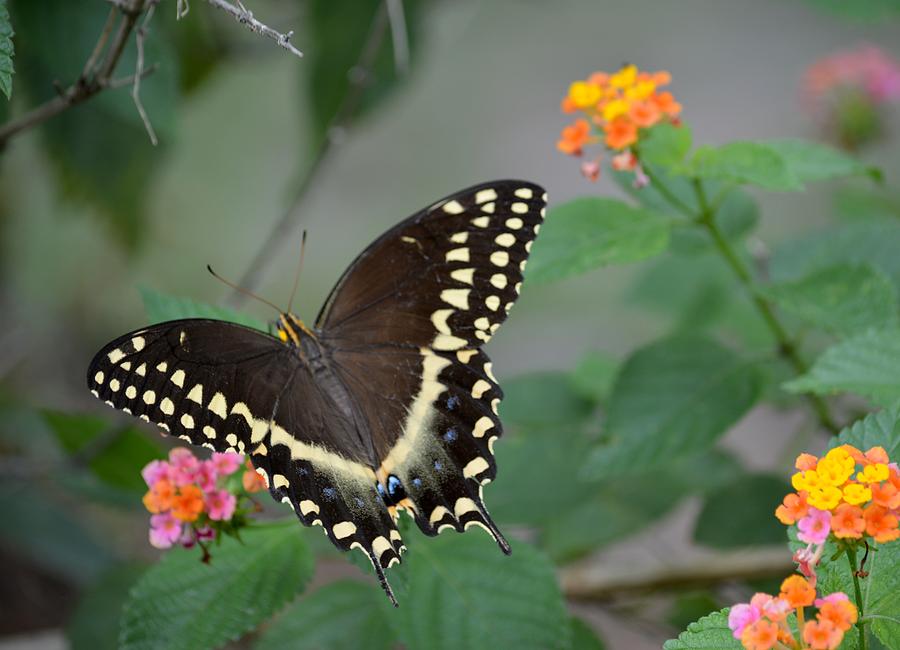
614 110
762 623
192 501
848 494
848 90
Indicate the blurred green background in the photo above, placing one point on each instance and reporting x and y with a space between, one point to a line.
90 211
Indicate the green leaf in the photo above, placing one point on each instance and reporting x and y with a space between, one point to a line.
880 589
709 633
811 161
672 398
161 307
842 299
873 243
665 144
51 533
100 148
689 606
6 51
464 593
583 636
744 163
116 456
721 525
867 364
339 31
880 429
95 623
183 603
593 377
736 217
860 204
588 233
543 398
344 615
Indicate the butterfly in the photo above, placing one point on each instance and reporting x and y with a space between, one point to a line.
386 404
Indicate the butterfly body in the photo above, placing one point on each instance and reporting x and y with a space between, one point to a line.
387 403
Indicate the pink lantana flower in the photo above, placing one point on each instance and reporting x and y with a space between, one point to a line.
156 470
815 526
165 530
227 463
836 597
741 616
206 476
184 466
220 505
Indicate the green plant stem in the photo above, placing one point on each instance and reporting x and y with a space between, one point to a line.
860 624
786 347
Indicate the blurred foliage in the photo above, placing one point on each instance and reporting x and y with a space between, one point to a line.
6 51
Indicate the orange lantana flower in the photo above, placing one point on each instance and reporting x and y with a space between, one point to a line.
574 137
792 509
848 522
822 635
620 133
886 495
252 480
159 497
881 524
760 635
188 503
841 613
667 104
797 591
644 113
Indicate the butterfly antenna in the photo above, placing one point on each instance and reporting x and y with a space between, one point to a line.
242 290
299 268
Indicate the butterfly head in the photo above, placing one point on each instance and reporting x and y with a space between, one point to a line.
291 329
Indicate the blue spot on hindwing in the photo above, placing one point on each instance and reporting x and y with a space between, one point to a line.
452 402
450 435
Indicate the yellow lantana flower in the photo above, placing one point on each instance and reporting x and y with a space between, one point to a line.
826 497
856 494
875 473
584 95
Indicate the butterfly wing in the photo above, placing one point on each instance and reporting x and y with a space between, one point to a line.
231 388
405 324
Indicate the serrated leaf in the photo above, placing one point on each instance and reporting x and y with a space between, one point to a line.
872 243
810 161
339 30
95 623
842 299
867 364
543 398
183 603
118 459
673 398
464 593
880 429
161 307
709 633
588 233
880 589
6 51
721 525
100 148
750 163
344 615
583 636
665 144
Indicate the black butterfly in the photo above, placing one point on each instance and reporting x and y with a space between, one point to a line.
387 403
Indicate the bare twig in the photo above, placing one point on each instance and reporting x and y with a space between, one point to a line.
359 77
592 580
245 17
129 80
399 36
96 74
139 71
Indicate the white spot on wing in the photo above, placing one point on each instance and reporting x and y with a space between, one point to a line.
115 356
499 280
452 207
308 506
149 397
514 223
492 302
481 222
187 421
465 276
439 320
345 528
485 195
500 258
482 426
458 255
131 392
218 405
480 388
505 239
475 467
459 237
98 378
196 394
459 298
177 378
166 406
519 208
524 193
